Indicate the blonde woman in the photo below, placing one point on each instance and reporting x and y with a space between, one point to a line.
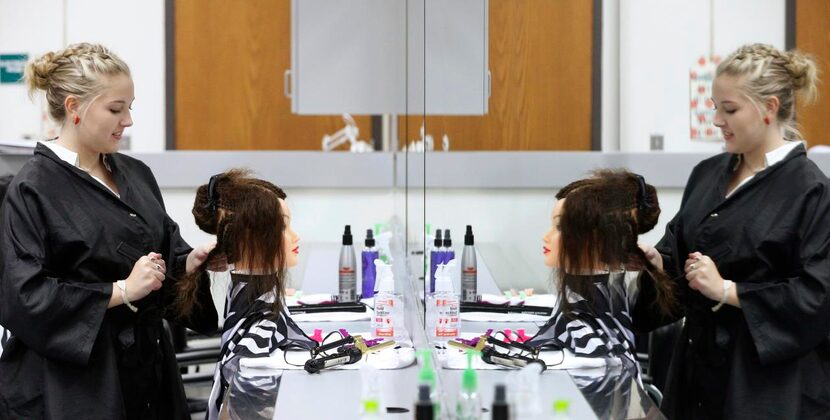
750 246
90 260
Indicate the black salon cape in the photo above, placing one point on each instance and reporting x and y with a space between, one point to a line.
69 356
768 359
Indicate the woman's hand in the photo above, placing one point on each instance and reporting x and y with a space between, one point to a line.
198 256
147 275
652 255
703 276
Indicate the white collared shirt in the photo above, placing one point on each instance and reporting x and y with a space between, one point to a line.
72 158
770 158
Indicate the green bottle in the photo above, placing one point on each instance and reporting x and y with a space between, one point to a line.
469 402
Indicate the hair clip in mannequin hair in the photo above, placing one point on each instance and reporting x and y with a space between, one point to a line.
213 197
642 202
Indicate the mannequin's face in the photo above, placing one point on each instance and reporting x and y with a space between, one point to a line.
290 238
552 239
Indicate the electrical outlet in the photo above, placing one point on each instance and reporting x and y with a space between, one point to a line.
656 142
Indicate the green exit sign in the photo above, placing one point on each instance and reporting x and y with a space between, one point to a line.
11 67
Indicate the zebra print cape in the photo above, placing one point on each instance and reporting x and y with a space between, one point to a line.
251 329
601 329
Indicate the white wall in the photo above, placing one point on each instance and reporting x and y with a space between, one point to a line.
659 41
133 29
30 27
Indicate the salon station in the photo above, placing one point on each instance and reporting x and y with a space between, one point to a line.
414 209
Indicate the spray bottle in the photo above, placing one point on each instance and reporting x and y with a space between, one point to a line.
500 409
449 254
388 318
469 403
347 273
424 408
368 257
469 272
426 378
435 257
443 309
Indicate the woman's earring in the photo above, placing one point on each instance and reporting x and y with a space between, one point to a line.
77 120
766 120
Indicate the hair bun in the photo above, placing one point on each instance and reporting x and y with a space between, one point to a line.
38 72
802 69
205 217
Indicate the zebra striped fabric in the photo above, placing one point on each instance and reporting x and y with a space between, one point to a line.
602 328
251 329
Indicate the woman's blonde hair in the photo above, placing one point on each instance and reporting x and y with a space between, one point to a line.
78 70
769 72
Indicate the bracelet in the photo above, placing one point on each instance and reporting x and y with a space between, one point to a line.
122 285
727 284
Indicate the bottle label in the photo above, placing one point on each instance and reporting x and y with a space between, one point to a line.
446 332
382 323
348 285
469 280
384 332
447 324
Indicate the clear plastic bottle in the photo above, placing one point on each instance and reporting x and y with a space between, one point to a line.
525 390
469 402
387 321
443 308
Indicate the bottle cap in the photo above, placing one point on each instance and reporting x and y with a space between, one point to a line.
468 236
437 242
501 393
370 239
347 235
423 392
447 239
370 406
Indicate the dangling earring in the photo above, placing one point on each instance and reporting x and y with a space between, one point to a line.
77 120
766 120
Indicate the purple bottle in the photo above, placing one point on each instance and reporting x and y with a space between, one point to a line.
369 255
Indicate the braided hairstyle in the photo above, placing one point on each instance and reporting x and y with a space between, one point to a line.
79 70
600 222
768 72
245 215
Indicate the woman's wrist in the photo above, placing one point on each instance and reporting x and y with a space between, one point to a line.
115 297
728 295
122 286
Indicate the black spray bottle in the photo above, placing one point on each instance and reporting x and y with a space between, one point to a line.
347 273
469 271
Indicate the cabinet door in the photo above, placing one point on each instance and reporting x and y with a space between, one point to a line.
381 56
229 58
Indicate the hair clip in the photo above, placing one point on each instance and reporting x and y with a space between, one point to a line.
213 197
642 203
